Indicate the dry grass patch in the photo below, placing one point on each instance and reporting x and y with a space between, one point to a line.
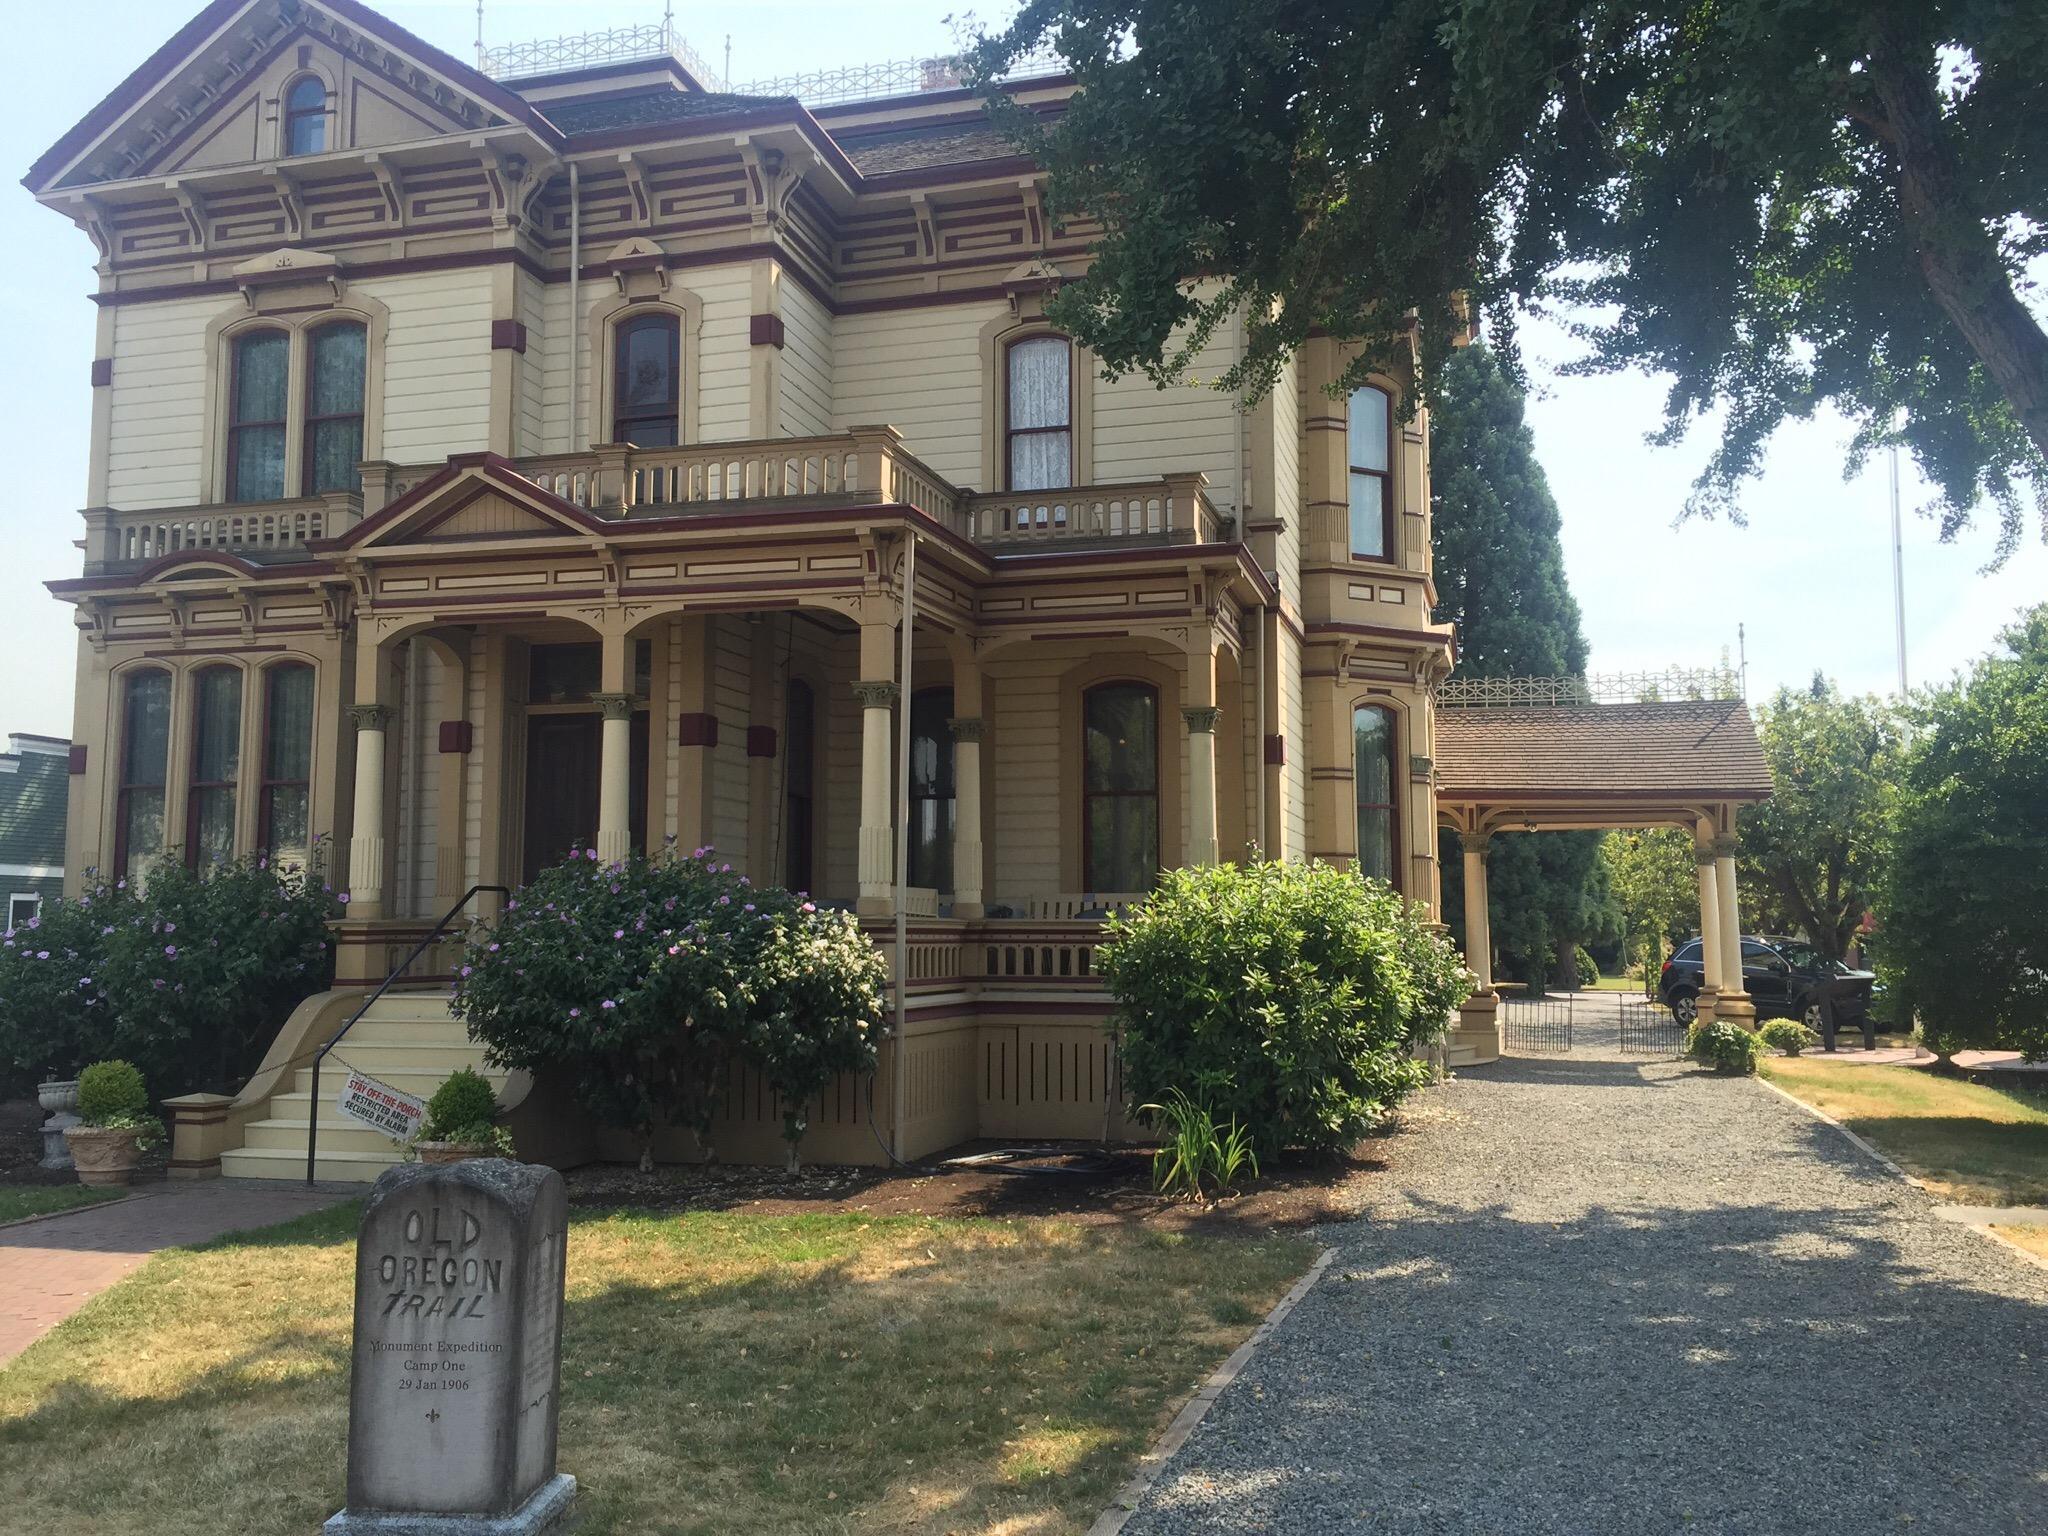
721 1372
1976 1145
2032 1238
22 1201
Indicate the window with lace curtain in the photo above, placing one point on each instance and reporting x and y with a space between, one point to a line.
325 411
145 754
284 812
1120 786
334 407
1039 414
216 764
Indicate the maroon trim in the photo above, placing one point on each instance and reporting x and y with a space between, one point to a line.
765 331
456 736
1276 751
76 764
102 372
760 741
508 336
697 730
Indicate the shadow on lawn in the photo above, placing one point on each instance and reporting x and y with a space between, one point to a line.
1732 1368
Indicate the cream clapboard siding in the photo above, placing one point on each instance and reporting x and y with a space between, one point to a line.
1142 432
920 371
437 363
725 359
732 673
156 434
806 363
530 419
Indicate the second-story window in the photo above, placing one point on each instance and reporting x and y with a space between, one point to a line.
646 394
216 765
1372 498
1039 419
305 117
334 408
259 397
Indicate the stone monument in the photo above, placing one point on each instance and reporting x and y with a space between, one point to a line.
457 1363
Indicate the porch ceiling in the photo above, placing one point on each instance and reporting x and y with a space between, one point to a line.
1597 764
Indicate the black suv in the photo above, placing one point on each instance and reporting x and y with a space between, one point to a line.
1786 979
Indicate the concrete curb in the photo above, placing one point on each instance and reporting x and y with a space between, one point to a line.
1154 1461
1954 1213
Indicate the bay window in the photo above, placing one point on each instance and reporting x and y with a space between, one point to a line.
284 813
1369 437
216 761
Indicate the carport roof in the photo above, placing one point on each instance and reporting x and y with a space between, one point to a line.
1686 748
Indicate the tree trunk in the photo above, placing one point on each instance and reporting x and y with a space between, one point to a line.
1958 257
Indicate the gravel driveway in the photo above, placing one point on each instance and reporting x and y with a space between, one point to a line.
1621 1296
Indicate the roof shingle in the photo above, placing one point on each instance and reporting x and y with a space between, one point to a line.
1680 747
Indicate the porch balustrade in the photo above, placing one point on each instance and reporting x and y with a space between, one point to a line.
125 539
863 466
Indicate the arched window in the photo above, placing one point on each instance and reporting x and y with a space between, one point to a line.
800 740
259 396
305 117
646 380
145 753
1120 786
1372 771
1039 421
931 789
1372 500
284 816
334 407
216 763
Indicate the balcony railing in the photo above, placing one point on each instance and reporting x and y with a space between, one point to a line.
252 530
862 466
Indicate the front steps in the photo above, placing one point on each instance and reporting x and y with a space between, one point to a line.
406 1040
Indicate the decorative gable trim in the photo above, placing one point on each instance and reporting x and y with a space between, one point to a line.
476 496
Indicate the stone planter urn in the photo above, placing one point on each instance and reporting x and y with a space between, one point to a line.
104 1155
452 1151
60 1099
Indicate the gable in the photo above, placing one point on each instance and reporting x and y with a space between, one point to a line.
208 99
478 498
488 516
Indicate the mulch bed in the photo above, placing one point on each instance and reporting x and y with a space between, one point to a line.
1095 1187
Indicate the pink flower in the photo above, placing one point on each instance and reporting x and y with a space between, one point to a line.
609 1005
575 1013
343 898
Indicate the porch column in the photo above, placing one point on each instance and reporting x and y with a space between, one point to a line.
1478 924
1734 1003
366 841
1201 723
1710 932
614 777
877 693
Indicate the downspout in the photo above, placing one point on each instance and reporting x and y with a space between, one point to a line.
575 305
1258 733
899 1077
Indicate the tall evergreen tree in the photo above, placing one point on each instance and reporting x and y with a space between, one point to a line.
1500 578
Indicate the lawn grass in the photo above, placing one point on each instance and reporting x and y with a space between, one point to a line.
721 1372
1976 1145
19 1200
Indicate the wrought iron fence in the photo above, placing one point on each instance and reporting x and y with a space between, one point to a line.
1673 683
580 50
1648 1029
1536 1026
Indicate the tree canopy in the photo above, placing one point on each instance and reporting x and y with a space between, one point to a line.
1774 204
1963 904
1811 854
1500 577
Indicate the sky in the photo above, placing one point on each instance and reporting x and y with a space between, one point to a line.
1807 581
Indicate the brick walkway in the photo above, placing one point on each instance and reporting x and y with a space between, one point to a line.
51 1268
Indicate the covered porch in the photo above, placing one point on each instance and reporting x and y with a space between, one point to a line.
1566 754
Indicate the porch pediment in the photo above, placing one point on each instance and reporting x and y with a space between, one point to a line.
476 499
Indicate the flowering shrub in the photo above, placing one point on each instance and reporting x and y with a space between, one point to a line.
637 984
188 979
54 1015
1286 997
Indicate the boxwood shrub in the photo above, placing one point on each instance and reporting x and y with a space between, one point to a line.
1288 996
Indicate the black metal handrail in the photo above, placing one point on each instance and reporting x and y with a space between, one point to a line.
440 928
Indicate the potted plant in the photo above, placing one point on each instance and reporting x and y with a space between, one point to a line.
462 1122
115 1127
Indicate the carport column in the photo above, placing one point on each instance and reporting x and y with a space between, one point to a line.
366 840
1710 931
1478 926
1734 1003
877 694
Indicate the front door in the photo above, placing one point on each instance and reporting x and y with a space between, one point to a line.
562 757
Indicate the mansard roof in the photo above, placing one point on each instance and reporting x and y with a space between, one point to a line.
597 114
181 86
